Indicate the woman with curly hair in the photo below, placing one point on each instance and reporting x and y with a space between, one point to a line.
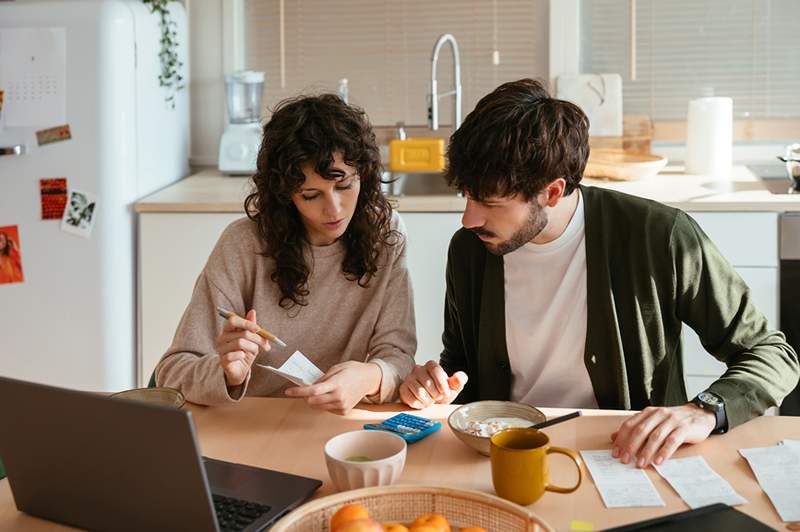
319 260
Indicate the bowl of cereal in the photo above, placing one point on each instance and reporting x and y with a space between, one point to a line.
475 423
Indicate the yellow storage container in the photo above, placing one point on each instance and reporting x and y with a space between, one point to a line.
416 155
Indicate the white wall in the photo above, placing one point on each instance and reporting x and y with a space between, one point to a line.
206 85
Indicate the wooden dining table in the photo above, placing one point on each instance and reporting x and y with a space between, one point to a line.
288 435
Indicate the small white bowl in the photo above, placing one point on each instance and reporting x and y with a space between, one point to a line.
386 451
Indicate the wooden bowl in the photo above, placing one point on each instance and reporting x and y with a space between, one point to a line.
622 165
404 503
159 396
460 418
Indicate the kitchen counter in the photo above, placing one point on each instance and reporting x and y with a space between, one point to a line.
210 191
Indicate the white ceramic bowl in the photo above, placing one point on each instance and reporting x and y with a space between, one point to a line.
461 417
386 453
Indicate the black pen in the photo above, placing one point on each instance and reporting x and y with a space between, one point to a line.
555 420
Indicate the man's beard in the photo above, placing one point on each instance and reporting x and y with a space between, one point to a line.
535 224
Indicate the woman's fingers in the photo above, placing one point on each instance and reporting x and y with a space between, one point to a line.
238 344
235 322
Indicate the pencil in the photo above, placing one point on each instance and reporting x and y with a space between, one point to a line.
225 313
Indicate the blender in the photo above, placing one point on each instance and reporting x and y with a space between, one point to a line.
239 144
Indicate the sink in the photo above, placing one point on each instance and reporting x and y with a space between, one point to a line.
416 184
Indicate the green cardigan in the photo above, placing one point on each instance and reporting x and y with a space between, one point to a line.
649 268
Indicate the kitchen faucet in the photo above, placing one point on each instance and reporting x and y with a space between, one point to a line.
433 105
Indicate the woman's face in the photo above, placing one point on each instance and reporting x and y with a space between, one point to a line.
327 206
3 240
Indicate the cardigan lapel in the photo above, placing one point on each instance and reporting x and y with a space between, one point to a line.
603 353
493 362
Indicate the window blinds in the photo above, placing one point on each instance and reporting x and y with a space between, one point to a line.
384 50
745 49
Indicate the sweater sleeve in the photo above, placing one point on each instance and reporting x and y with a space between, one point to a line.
714 301
394 339
191 364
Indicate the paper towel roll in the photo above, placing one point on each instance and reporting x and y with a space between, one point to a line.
709 139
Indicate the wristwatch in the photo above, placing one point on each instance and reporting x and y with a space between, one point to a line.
713 403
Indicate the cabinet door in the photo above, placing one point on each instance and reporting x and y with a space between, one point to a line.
744 238
173 248
428 239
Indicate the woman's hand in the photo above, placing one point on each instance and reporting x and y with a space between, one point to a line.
237 347
430 384
342 387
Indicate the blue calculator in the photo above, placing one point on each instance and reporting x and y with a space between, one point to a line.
410 428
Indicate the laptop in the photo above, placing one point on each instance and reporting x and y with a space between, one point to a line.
93 462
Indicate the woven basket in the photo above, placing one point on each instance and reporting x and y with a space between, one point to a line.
404 503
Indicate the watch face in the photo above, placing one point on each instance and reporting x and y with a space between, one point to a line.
709 398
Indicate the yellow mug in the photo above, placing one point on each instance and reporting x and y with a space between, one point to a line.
519 465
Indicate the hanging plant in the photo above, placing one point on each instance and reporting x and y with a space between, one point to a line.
169 78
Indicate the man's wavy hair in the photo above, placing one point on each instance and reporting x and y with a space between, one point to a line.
516 141
308 130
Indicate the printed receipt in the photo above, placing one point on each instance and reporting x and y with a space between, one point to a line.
297 369
620 485
777 469
698 484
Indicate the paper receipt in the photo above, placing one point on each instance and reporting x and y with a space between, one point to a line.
298 369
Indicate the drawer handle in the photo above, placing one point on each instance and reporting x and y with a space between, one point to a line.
18 149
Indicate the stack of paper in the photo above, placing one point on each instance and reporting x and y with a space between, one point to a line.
620 485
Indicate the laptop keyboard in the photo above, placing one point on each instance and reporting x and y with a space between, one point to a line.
236 514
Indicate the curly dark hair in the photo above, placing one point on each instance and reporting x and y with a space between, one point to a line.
310 130
517 140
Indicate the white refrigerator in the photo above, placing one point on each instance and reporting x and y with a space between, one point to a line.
92 66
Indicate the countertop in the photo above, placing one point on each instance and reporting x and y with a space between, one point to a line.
210 191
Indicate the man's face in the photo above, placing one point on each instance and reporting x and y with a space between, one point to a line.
504 223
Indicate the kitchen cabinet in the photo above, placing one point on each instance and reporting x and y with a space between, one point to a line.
429 236
173 248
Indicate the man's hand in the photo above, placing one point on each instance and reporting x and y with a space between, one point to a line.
655 433
342 387
429 384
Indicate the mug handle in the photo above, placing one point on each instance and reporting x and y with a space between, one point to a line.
578 463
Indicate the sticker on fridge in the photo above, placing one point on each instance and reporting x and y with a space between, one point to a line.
53 134
53 193
10 255
79 213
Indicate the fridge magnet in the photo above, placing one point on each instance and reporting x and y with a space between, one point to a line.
53 134
53 193
79 213
10 255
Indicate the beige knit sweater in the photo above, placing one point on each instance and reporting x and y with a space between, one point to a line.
341 322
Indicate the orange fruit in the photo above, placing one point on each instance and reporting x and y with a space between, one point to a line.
394 527
359 525
347 513
473 529
423 528
434 521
